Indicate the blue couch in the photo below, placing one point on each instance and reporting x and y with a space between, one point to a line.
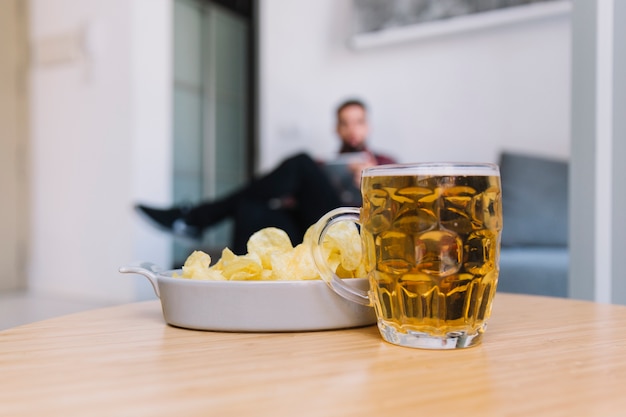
534 258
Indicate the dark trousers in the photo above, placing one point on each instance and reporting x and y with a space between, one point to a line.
298 181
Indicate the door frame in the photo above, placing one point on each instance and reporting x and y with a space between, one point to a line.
14 143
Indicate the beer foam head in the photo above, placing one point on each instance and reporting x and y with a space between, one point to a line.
434 169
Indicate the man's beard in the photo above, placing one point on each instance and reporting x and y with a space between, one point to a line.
347 148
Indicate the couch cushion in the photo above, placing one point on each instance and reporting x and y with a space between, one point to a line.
538 271
534 200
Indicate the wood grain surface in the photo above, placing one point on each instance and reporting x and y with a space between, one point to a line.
540 357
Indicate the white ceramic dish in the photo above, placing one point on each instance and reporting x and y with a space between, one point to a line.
253 306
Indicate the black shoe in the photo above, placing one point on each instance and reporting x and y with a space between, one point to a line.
171 220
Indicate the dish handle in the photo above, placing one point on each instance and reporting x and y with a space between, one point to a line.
148 270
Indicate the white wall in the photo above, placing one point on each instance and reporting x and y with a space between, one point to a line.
100 141
458 97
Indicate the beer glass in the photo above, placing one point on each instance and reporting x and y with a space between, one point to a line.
430 234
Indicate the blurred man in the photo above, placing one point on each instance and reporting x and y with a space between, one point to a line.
292 197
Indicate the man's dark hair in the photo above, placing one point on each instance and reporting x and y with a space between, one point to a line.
351 102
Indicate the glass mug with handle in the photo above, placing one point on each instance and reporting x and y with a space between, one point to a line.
430 235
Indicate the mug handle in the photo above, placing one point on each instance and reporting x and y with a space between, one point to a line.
340 214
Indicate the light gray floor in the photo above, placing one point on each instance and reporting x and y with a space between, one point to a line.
22 307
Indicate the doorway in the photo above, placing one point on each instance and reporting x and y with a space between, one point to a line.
213 106
13 143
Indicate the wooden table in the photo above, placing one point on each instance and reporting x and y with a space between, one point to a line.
540 357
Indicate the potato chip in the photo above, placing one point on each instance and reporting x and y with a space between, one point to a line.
271 256
208 275
360 272
308 236
296 264
279 266
344 238
333 257
302 265
267 275
227 255
197 267
242 268
267 241
344 273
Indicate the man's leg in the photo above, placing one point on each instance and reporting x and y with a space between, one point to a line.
298 178
254 215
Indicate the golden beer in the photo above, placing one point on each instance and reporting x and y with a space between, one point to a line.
431 239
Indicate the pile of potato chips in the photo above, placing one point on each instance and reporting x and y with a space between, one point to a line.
271 256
